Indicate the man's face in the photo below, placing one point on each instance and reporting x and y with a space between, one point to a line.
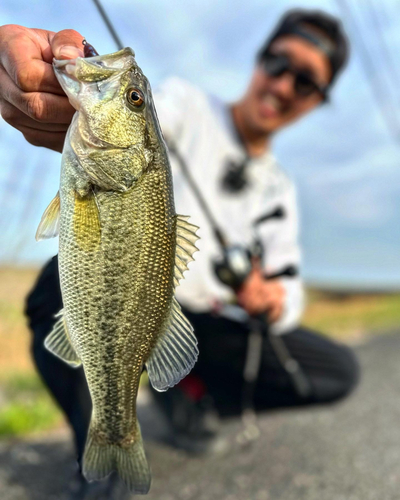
272 101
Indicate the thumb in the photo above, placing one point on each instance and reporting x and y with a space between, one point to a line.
67 44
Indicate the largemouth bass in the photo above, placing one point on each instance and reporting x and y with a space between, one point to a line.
122 252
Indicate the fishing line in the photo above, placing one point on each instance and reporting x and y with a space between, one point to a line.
379 92
379 26
251 430
204 206
219 235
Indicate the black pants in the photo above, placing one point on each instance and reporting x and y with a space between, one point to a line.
67 385
331 369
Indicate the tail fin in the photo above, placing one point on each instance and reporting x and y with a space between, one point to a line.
100 459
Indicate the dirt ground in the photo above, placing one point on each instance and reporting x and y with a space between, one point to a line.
349 451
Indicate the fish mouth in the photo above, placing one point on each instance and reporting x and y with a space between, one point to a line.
75 75
65 71
117 61
72 73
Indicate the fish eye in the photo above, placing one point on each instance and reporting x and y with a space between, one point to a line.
135 97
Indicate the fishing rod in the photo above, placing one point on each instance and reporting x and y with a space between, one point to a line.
232 270
109 24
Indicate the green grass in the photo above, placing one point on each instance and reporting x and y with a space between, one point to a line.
26 407
352 317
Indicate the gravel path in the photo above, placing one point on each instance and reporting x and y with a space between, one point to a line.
346 452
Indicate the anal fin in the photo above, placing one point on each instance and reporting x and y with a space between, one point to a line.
175 353
58 342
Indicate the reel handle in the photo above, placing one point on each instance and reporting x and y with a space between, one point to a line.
289 271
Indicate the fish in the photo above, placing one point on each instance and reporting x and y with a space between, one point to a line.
122 252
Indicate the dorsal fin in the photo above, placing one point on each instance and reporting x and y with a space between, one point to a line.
186 238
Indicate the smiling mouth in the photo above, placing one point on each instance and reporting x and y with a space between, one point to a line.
270 106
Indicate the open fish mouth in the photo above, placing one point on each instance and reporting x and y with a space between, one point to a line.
65 70
120 60
72 73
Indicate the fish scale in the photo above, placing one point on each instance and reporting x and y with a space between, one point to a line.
122 251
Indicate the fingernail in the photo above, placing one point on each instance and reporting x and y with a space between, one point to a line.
69 52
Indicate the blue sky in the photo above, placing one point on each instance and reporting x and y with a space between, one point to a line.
342 157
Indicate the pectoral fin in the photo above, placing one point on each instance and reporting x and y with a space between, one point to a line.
50 221
59 343
86 222
175 353
186 238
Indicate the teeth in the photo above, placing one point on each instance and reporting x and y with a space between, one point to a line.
272 101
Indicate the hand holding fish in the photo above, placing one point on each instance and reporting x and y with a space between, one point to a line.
31 99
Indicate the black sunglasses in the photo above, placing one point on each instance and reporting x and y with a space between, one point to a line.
278 64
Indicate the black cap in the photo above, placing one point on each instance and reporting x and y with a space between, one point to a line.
335 42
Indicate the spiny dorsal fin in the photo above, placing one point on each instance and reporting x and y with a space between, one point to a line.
186 238
86 222
59 343
175 353
50 222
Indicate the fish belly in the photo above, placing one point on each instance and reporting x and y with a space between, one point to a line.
117 298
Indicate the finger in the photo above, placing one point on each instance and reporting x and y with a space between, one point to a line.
254 305
22 58
269 296
276 285
67 44
275 312
13 116
275 315
49 140
246 299
273 289
244 302
39 106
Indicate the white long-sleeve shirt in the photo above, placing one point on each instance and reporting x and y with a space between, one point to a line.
201 127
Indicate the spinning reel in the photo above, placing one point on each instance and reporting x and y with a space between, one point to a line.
237 261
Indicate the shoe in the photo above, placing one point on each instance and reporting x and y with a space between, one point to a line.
194 424
110 488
